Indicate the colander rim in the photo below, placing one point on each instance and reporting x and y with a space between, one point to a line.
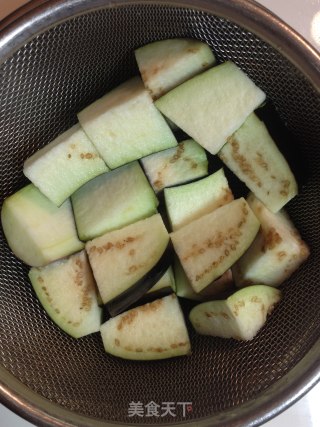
38 16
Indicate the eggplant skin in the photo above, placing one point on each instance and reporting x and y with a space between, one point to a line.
142 286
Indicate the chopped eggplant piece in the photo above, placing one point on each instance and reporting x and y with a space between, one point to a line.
105 204
37 231
208 246
67 291
240 316
210 107
166 64
64 165
122 257
152 331
276 252
176 165
216 289
188 202
124 125
254 157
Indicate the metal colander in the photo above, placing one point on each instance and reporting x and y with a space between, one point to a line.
57 58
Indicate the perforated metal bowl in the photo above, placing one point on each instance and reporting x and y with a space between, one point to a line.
57 57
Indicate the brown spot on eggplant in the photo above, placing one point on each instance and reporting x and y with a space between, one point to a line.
88 156
108 246
151 306
242 161
245 211
133 268
86 298
284 189
132 252
255 299
271 239
261 161
117 342
79 263
204 64
213 314
281 255
155 70
69 156
174 158
237 307
228 196
127 319
130 239
193 49
224 315
120 245
157 349
158 183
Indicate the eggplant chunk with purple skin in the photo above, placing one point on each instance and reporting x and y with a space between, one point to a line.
37 231
208 246
186 162
211 106
124 124
166 64
215 289
240 316
277 251
156 330
105 204
64 165
186 203
254 157
122 257
67 291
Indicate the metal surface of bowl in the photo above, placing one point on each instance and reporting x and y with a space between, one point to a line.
55 58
